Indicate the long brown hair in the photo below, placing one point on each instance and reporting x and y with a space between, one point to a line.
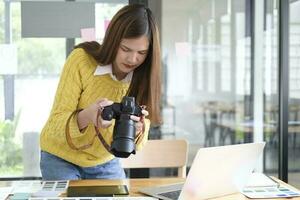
133 21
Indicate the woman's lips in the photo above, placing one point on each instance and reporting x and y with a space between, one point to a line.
129 66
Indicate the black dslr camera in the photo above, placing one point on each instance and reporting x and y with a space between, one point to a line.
124 130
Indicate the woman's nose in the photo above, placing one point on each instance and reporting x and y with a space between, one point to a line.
133 58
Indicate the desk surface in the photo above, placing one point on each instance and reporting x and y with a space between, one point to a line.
135 184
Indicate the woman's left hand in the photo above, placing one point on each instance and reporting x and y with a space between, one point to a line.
139 121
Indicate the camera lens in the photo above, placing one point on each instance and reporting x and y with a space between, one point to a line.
124 134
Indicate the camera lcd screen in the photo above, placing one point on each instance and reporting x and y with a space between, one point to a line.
96 191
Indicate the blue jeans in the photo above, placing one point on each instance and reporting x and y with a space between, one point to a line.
56 168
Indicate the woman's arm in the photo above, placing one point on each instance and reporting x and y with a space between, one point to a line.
67 95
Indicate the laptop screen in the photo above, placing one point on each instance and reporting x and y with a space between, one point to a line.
218 171
215 171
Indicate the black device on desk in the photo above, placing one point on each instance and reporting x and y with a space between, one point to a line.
97 191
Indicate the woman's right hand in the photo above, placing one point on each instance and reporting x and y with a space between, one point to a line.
90 114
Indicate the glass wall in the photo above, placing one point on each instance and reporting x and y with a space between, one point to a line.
270 76
1 42
37 66
294 97
208 79
34 81
209 75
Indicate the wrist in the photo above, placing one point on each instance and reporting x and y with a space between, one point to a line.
83 119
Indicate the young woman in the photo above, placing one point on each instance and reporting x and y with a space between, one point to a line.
127 63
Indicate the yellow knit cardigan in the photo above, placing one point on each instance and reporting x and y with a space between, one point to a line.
77 89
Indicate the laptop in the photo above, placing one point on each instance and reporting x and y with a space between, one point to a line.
215 171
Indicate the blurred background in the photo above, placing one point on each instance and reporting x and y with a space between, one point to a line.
220 73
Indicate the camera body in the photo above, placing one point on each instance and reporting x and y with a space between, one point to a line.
123 143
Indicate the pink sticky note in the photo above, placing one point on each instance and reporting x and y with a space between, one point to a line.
88 34
106 23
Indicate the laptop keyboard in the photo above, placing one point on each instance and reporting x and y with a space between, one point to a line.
171 195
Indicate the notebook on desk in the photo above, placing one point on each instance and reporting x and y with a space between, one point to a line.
215 171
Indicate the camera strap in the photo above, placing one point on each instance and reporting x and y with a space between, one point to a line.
102 140
86 146
68 136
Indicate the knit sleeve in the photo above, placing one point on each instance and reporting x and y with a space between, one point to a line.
67 95
144 137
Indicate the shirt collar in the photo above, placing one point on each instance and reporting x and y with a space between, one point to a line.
107 69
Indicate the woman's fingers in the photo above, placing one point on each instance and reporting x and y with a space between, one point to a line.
101 103
145 113
139 120
105 123
104 102
139 127
135 118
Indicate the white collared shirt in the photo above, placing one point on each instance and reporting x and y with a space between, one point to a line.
107 69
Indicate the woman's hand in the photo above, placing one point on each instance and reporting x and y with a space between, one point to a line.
101 122
90 114
139 125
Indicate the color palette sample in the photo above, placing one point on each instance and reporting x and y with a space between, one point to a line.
38 188
26 186
270 192
51 188
55 185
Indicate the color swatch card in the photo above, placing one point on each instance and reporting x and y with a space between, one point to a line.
26 186
270 192
261 180
40 188
51 189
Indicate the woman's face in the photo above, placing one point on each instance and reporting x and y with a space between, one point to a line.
131 54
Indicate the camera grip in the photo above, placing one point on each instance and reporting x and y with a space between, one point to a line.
107 113
111 112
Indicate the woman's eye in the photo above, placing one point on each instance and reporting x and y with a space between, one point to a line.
125 50
142 53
